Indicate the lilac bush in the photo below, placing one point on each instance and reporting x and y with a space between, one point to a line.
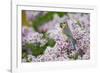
62 38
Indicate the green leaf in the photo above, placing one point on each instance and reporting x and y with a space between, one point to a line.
51 42
24 55
74 56
37 49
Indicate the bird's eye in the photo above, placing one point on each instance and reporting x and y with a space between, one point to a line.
64 23
61 25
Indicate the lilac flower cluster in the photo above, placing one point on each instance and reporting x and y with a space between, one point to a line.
82 35
30 36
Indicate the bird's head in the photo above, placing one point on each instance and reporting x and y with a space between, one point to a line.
63 25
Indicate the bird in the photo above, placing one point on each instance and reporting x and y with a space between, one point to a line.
66 31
